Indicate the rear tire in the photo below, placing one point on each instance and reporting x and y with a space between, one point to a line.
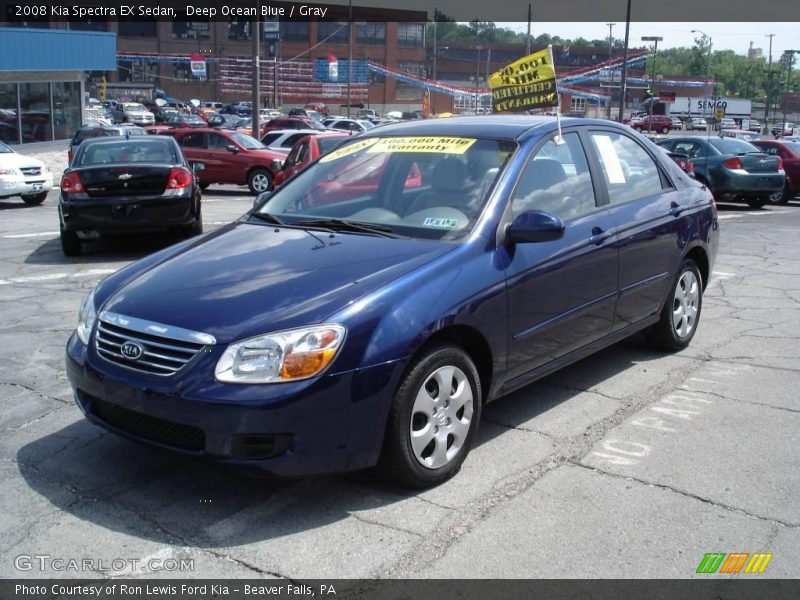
70 244
34 200
259 180
681 312
433 419
665 130
757 203
781 197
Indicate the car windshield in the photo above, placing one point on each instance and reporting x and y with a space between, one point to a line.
733 146
148 150
794 146
133 106
247 142
4 149
421 187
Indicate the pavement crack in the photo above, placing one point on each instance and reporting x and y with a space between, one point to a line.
360 518
686 494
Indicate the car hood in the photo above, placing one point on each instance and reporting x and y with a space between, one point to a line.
247 279
12 159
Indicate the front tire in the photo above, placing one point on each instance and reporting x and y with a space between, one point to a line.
681 312
259 180
433 419
665 130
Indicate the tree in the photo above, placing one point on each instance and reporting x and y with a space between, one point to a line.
698 65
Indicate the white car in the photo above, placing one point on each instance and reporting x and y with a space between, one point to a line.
728 123
282 140
354 125
698 123
23 176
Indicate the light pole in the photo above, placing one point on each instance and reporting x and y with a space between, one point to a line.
769 82
789 60
705 36
477 75
610 51
655 39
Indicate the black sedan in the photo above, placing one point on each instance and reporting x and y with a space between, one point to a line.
734 170
130 185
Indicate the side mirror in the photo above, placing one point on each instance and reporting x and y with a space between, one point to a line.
277 165
261 200
197 167
232 148
534 226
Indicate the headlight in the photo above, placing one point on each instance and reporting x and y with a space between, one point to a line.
283 356
8 171
86 318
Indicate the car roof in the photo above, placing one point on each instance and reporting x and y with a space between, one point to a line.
292 131
509 127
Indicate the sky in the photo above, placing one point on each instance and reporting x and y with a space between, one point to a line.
724 36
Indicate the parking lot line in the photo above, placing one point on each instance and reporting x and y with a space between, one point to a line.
14 236
56 276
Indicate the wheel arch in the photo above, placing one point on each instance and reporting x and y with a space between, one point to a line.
700 257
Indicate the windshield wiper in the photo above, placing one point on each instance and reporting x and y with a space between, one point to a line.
267 218
344 225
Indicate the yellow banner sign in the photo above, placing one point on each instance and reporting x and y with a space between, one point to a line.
436 144
529 82
349 149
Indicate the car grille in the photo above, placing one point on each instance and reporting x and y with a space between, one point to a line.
31 171
161 355
158 430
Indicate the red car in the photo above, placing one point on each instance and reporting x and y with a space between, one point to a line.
658 123
789 153
307 150
229 157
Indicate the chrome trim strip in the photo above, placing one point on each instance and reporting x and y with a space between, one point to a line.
157 329
106 333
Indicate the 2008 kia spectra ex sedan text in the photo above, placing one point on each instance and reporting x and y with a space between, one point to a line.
364 312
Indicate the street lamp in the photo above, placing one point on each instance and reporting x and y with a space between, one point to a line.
477 75
705 36
655 39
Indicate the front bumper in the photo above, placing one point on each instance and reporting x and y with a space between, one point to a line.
126 215
25 185
333 423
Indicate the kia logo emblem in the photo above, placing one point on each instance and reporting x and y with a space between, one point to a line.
125 176
131 350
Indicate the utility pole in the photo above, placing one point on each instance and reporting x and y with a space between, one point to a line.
349 53
655 39
528 35
611 73
435 49
624 87
769 82
256 35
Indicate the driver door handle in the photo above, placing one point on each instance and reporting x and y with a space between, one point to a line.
675 209
599 236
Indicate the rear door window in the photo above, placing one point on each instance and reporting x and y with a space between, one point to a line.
630 173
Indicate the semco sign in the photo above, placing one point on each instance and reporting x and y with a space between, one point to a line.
710 105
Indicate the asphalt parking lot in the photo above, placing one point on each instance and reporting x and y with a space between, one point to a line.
630 463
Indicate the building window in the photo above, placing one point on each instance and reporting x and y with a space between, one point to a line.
66 108
411 35
139 70
9 121
93 24
138 28
407 92
577 104
335 29
191 30
238 29
35 118
294 31
371 33
183 71
412 66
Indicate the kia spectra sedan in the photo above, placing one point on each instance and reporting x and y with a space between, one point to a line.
350 320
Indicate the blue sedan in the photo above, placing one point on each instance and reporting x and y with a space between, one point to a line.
366 311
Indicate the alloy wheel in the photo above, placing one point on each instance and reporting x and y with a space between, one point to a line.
685 304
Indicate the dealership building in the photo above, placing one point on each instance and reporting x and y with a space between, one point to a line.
42 80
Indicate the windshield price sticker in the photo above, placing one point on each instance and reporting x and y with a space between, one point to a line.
439 222
437 145
349 149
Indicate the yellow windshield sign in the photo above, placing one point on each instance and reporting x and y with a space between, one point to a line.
349 149
434 144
